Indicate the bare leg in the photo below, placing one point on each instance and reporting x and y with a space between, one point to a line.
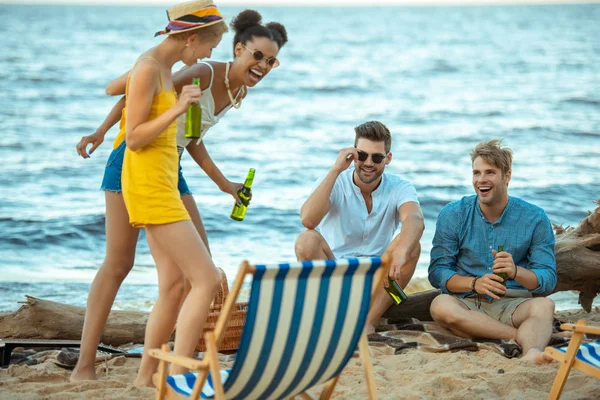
192 209
182 244
310 245
533 320
450 313
121 239
190 205
164 313
382 301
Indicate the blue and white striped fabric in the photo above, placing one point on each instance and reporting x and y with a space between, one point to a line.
589 353
184 384
303 324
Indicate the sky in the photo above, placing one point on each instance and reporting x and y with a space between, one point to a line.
306 2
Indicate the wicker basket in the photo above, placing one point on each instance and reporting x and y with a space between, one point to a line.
233 330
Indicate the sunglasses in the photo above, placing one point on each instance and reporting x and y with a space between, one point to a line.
259 56
377 157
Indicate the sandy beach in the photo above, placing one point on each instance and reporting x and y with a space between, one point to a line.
412 375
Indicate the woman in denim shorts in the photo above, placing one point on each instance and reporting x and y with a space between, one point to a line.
255 48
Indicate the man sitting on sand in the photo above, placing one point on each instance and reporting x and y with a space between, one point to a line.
355 212
466 260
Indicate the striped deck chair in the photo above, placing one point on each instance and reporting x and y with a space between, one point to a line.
585 358
304 322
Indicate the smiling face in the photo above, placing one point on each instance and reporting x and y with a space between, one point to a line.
490 184
368 171
249 70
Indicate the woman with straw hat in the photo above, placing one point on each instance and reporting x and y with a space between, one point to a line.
147 144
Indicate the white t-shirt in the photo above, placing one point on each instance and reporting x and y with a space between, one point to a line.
349 229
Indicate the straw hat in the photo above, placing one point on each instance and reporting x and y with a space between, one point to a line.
191 15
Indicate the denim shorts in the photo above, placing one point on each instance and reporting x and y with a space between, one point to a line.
112 173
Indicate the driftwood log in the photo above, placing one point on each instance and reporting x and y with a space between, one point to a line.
577 260
44 319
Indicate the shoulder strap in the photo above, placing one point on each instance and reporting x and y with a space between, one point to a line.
212 73
162 86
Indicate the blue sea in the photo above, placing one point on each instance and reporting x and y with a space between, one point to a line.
441 78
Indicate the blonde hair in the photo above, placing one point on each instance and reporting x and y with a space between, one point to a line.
494 153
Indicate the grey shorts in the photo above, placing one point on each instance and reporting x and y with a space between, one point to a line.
501 310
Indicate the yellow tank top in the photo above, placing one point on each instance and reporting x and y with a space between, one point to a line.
150 174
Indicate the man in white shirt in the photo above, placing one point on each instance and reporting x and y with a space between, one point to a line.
355 212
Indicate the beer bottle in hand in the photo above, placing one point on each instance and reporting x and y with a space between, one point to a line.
193 118
501 274
245 194
395 291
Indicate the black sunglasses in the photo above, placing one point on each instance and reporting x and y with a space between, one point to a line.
377 157
259 56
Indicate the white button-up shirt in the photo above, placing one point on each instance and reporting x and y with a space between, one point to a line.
349 229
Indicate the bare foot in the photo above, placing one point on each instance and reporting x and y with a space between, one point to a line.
369 328
139 382
537 356
83 373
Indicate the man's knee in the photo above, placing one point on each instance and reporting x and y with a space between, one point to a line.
444 310
541 307
306 244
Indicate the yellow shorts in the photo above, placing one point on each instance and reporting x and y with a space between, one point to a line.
501 310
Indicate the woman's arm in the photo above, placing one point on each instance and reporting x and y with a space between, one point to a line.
143 86
117 86
184 76
97 138
202 158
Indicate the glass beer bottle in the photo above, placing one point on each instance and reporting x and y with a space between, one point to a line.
395 291
501 274
245 194
193 118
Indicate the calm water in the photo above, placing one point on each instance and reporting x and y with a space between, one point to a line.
442 79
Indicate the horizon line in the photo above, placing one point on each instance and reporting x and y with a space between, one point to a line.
309 3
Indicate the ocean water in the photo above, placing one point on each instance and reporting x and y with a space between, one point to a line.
441 78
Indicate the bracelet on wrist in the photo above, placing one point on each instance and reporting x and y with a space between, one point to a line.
516 270
473 284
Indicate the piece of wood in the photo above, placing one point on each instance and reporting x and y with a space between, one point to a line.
329 387
161 386
565 364
365 357
578 258
44 319
215 370
416 306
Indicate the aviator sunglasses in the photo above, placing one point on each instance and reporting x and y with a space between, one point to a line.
259 56
377 157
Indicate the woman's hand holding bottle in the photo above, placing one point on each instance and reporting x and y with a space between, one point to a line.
190 94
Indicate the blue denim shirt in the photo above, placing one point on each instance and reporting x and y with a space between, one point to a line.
464 240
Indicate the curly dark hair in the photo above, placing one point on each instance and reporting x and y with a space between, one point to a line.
248 24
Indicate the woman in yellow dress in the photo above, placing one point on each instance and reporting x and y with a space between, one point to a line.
150 175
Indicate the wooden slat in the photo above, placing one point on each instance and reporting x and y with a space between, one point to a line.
187 362
581 326
365 357
230 301
566 362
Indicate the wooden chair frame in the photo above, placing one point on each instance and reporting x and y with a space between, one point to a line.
568 360
211 360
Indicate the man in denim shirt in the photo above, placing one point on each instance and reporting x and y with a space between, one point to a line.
466 260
